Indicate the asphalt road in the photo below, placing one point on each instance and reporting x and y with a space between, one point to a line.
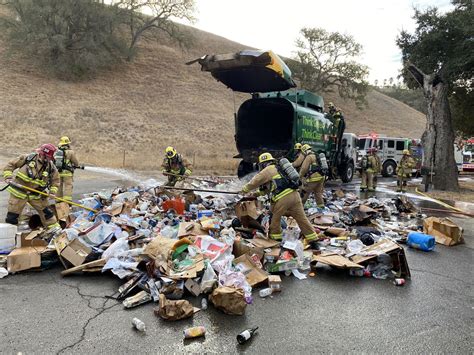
42 312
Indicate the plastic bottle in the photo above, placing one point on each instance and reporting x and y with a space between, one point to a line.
204 303
194 332
265 292
246 335
139 325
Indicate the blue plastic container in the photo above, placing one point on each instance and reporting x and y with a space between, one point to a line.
421 241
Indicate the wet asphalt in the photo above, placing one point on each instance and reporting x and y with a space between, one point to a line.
42 312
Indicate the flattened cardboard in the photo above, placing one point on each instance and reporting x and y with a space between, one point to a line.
24 258
62 211
444 230
383 246
61 242
252 272
190 228
263 243
335 260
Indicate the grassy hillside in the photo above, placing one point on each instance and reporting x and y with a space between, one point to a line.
142 107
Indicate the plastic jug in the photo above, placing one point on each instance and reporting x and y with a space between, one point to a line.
7 237
421 241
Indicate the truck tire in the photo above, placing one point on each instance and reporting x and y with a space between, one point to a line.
244 169
348 172
389 168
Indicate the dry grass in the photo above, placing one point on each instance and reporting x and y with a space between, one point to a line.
144 106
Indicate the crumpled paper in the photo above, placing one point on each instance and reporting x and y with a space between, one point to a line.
174 310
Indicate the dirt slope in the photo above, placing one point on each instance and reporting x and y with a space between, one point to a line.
142 107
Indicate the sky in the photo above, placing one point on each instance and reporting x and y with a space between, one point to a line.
274 25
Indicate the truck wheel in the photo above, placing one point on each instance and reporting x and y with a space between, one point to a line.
244 169
389 168
348 172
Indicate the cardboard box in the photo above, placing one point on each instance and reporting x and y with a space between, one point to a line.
282 265
274 282
396 252
24 258
335 260
444 230
252 272
76 252
31 239
246 212
193 287
245 247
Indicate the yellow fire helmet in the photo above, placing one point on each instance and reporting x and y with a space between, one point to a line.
331 105
298 146
170 152
64 141
305 148
265 157
406 152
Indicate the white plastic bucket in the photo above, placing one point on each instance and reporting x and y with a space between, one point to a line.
7 238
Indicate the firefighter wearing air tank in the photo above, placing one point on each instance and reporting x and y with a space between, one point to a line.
35 170
175 166
369 168
404 168
299 156
66 162
280 182
312 173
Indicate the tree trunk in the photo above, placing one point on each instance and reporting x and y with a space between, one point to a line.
438 138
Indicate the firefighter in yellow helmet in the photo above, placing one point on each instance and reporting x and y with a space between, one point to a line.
35 170
66 162
404 168
175 166
284 200
312 174
299 156
370 167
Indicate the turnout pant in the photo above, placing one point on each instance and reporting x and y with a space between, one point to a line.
16 206
290 206
367 180
316 187
65 187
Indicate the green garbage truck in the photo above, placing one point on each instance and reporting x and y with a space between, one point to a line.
277 115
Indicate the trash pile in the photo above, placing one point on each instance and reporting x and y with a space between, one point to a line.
167 246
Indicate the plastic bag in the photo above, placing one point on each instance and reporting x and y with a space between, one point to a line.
209 278
355 246
119 246
235 279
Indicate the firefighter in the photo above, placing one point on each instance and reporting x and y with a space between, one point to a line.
285 201
370 167
175 166
35 170
66 162
299 156
404 167
312 176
